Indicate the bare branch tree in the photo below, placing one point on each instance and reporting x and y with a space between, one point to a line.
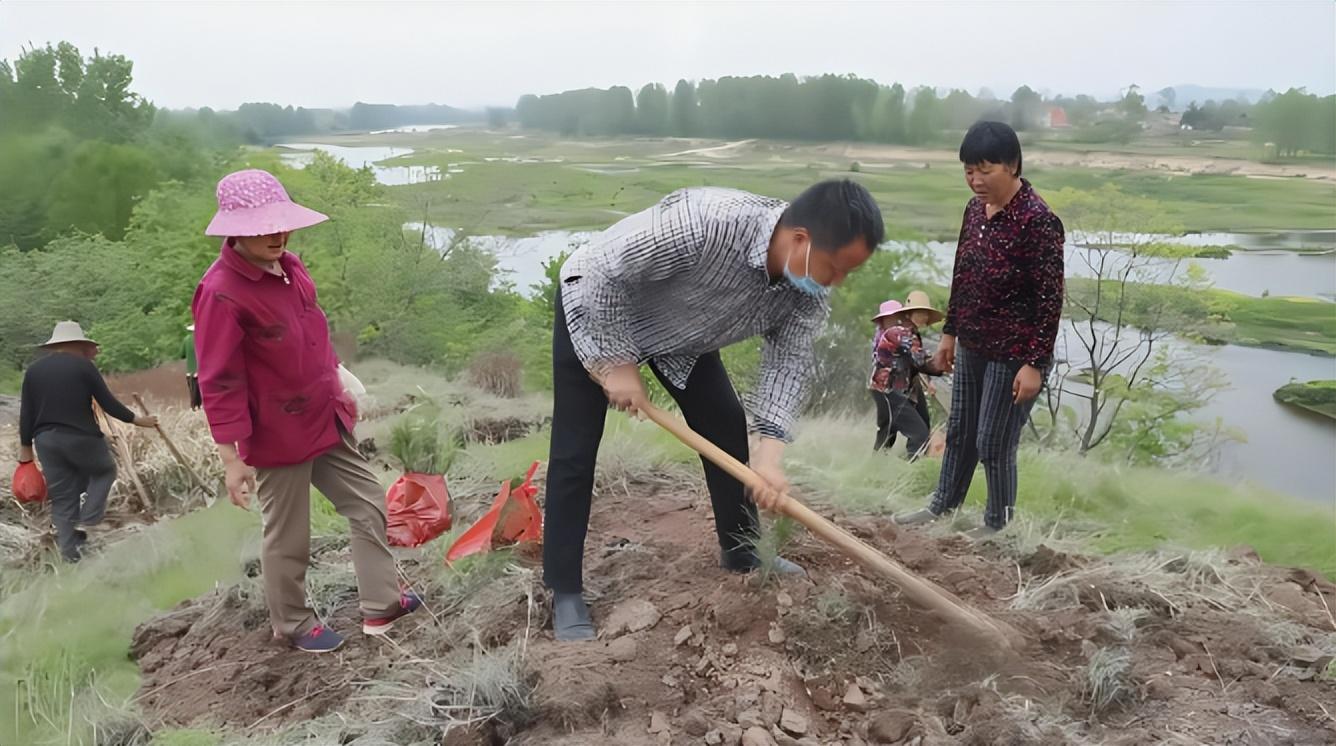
1122 314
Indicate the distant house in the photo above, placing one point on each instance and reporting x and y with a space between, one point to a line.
1055 117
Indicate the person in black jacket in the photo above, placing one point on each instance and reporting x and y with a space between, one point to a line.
56 415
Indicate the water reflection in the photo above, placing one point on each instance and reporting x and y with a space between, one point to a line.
363 156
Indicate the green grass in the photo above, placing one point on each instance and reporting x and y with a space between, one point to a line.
1295 323
185 737
1109 508
1208 202
1208 145
325 519
1112 509
1315 396
65 636
555 190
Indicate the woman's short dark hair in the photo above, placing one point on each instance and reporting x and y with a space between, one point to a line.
835 213
994 142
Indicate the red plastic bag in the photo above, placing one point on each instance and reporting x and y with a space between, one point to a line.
28 484
418 508
514 518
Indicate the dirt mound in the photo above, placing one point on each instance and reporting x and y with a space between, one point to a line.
213 659
165 384
1175 649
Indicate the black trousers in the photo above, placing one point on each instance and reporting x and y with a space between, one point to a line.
79 472
896 413
711 408
192 387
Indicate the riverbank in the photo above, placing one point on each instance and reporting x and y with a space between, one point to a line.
1314 396
1219 316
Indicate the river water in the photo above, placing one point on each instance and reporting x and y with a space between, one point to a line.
301 153
1282 448
1255 273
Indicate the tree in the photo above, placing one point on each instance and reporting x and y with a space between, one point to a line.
1131 298
925 119
497 117
686 114
527 111
98 189
888 115
1167 97
58 86
960 109
1025 106
1297 121
652 110
1081 111
1133 104
621 111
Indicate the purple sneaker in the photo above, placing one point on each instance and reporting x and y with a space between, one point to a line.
409 602
320 639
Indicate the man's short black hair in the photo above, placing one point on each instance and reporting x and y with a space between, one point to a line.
994 142
835 213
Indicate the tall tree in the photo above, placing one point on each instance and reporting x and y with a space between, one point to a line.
1167 96
1025 108
652 110
960 109
686 114
1133 104
925 119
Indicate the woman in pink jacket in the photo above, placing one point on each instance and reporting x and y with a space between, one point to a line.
268 377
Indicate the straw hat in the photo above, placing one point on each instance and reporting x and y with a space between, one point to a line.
919 301
67 331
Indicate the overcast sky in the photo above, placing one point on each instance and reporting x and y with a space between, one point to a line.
319 54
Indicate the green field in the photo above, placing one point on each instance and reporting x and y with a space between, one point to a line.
1286 323
520 184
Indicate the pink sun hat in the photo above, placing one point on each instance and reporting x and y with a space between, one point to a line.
889 308
253 203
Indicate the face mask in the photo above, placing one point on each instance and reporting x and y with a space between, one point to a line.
805 283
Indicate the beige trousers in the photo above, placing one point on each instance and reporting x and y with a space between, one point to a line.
344 477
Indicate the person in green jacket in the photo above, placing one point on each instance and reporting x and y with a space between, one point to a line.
192 367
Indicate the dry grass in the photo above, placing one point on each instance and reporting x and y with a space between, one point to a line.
481 685
170 488
641 453
1155 578
497 373
392 387
1107 681
169 485
1043 723
1122 623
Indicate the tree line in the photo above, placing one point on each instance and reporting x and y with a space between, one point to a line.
846 107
